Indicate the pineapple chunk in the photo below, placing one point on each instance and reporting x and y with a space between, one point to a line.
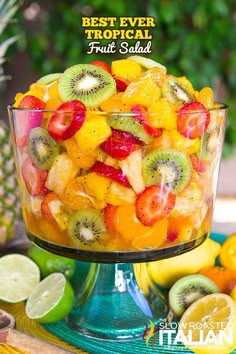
61 173
126 68
118 195
93 132
199 216
132 168
34 205
189 201
57 210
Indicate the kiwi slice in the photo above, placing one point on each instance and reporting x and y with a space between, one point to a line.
42 148
171 167
131 125
86 227
176 92
188 289
209 145
87 83
146 62
48 79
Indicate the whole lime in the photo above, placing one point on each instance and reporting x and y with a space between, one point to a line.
51 263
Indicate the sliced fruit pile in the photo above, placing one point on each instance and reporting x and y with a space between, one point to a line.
117 157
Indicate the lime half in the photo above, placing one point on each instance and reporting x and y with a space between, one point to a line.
18 277
51 300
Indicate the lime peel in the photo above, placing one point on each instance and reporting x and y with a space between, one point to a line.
51 263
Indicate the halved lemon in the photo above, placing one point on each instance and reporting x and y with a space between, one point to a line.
208 326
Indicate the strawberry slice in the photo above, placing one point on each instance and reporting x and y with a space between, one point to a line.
33 177
140 116
120 144
192 120
111 172
124 135
25 120
154 204
121 83
67 120
102 65
198 165
109 217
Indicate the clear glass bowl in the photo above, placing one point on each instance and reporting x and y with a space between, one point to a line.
180 173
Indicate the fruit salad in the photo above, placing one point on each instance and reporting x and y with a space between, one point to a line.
120 157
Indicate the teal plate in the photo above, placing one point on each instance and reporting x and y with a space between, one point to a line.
94 346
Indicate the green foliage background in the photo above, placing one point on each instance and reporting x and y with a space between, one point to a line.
192 38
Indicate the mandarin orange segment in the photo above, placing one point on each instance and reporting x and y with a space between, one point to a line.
157 74
79 158
127 223
142 92
76 197
206 97
154 239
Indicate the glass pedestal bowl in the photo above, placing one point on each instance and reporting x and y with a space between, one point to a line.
117 197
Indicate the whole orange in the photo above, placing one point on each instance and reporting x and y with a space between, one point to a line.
225 278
